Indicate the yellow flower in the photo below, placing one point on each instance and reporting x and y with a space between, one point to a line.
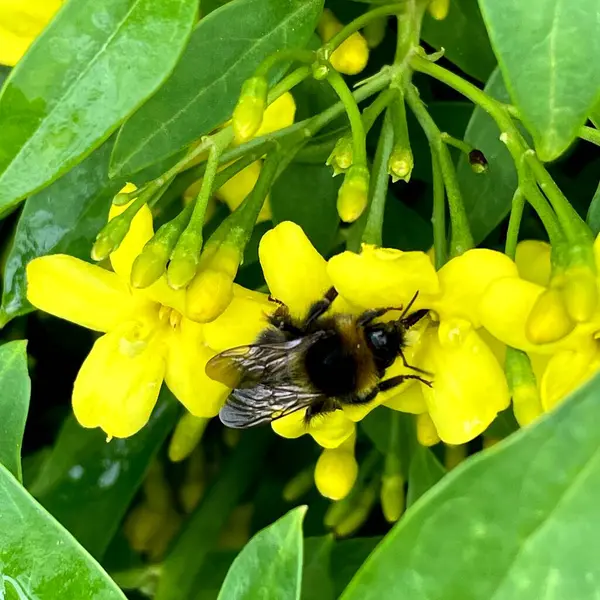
336 470
20 23
352 55
469 387
147 337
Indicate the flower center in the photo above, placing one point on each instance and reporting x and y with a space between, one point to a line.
168 315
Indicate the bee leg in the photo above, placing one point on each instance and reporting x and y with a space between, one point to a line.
405 363
370 315
319 407
393 382
319 308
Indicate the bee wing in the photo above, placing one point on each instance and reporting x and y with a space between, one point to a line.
247 407
246 366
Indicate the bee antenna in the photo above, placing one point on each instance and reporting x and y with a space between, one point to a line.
408 306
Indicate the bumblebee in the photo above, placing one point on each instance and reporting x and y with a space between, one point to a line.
321 364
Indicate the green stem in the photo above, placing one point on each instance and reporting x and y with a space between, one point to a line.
359 147
370 114
409 29
572 223
440 244
288 55
389 9
372 233
590 134
287 83
460 144
461 239
514 223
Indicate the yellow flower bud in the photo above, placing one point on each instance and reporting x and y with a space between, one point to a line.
141 525
580 293
248 113
298 485
358 514
548 320
401 164
182 270
374 31
392 497
354 194
335 473
190 495
149 266
438 9
527 405
340 158
427 434
187 434
352 55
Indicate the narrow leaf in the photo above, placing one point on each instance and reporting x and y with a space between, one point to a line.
593 215
99 478
94 64
317 583
15 388
487 196
546 51
224 50
271 560
39 558
516 522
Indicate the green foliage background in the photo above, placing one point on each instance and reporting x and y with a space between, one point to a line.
518 521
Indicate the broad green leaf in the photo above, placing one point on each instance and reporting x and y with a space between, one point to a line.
307 195
15 388
424 472
316 573
545 49
91 67
593 216
39 559
516 522
463 36
64 218
188 555
98 478
488 195
224 50
270 565
346 558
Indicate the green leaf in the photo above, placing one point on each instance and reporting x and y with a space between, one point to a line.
98 478
307 194
64 218
424 472
488 195
463 36
224 50
90 68
39 558
546 51
518 521
316 573
346 558
15 388
270 565
593 216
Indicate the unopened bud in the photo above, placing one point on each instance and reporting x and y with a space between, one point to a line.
401 164
320 70
392 497
478 161
427 434
182 270
341 156
121 199
251 105
298 485
549 320
374 31
438 9
335 473
111 236
186 436
354 193
358 514
149 265
527 405
580 293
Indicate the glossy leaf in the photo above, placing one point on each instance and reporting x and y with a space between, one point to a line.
317 583
518 521
307 194
488 195
545 50
97 477
39 558
424 472
346 558
271 560
63 218
224 50
463 37
593 215
15 388
91 67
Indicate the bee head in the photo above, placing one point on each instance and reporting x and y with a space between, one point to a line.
385 340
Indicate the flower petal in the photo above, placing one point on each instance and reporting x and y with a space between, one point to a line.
79 292
505 307
469 388
533 261
185 373
139 233
295 272
409 400
464 279
278 115
119 382
329 430
241 322
384 277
